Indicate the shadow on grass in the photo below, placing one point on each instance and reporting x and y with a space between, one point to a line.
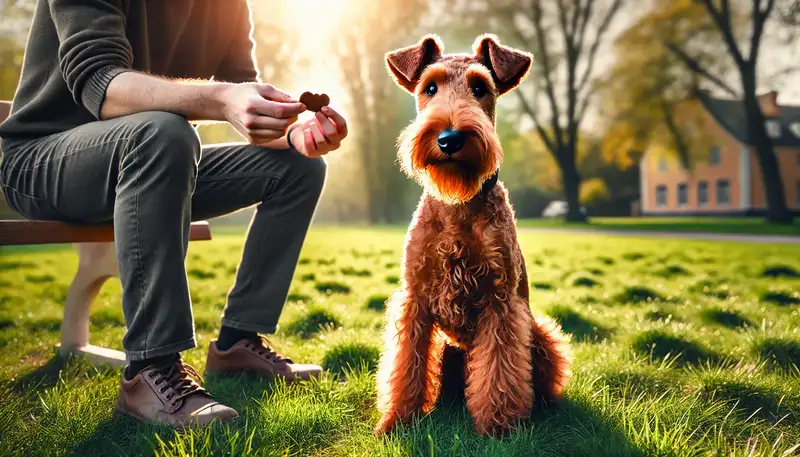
661 345
749 399
47 375
572 427
725 318
581 328
779 353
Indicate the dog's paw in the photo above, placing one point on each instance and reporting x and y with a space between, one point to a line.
387 423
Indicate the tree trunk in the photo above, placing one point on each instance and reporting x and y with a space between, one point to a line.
572 184
777 211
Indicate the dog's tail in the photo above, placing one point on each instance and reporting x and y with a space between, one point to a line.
552 361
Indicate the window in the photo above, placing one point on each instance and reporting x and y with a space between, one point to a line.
683 194
773 129
797 193
723 192
715 156
661 195
702 193
662 165
795 128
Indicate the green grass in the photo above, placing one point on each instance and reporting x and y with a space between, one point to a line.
731 225
682 348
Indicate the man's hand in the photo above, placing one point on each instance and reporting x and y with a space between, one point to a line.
321 134
260 112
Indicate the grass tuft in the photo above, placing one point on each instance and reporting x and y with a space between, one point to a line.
201 274
584 281
661 346
638 294
332 287
313 322
781 298
392 279
581 328
350 271
377 302
347 357
542 286
779 353
780 271
723 317
672 271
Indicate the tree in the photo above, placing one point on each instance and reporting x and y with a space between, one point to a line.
745 59
647 96
566 38
379 110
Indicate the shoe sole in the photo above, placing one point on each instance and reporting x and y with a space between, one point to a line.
179 427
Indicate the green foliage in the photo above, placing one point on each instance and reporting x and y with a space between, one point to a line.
593 191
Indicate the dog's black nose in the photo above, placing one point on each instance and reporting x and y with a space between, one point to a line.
450 141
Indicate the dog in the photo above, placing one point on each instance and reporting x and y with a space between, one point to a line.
462 311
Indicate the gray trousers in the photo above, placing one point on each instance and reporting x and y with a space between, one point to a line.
149 175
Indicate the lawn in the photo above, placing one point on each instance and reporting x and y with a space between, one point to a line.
730 225
682 348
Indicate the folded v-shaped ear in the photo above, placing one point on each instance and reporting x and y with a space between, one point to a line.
406 64
509 66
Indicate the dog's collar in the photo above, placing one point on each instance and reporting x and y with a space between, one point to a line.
490 183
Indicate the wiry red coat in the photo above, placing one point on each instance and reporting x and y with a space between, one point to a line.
462 312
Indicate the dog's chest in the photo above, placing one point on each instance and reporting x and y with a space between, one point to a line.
463 282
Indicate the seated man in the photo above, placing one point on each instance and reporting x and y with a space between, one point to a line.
100 131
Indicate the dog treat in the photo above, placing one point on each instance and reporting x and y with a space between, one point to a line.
314 102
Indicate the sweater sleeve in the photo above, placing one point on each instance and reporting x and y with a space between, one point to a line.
238 65
93 47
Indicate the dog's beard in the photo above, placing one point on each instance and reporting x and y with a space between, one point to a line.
452 179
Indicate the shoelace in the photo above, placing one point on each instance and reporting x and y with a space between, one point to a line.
177 379
263 348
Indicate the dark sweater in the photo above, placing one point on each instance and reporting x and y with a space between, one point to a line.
76 47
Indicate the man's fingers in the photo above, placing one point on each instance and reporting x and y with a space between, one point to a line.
278 110
319 137
308 142
264 136
327 126
267 123
341 123
271 92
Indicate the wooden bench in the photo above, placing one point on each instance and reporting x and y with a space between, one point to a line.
97 262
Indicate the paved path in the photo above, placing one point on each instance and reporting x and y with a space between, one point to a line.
741 238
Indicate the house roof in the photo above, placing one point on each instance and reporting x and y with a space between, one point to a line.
784 129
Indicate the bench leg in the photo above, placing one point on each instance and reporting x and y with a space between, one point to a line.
97 263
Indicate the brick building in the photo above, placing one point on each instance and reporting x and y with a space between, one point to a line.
727 180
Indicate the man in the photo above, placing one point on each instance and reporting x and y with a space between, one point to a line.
100 131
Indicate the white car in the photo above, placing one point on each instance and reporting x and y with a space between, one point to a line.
558 208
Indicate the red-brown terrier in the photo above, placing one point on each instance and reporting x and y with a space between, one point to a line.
463 304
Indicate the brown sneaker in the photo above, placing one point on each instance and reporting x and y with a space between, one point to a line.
168 395
257 357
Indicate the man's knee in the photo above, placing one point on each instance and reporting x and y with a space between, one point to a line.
170 140
314 174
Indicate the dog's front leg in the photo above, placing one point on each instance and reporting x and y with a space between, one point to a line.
402 376
499 391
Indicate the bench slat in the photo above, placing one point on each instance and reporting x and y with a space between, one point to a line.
22 232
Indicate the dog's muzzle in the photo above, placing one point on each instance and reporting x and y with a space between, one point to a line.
451 141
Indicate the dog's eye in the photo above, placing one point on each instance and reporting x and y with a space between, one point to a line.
431 89
479 89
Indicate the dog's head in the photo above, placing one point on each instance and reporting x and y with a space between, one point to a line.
452 148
